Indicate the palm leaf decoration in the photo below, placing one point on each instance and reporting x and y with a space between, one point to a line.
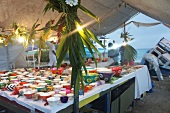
129 52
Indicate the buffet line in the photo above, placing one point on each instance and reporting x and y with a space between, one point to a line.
49 90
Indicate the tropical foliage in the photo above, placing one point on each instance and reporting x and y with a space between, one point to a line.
129 52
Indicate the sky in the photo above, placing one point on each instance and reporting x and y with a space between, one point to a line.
144 37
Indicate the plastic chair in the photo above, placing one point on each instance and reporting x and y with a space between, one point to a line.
30 57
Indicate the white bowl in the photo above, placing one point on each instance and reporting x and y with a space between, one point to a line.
57 95
70 96
56 80
57 86
53 101
52 93
62 82
42 84
63 93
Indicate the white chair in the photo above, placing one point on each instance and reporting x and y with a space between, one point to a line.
30 57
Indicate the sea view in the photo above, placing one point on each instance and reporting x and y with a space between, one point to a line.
140 52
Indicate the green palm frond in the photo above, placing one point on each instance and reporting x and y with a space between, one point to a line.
129 53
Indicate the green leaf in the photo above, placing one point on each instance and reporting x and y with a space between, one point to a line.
61 45
86 11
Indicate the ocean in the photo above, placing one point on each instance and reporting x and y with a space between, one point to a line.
140 52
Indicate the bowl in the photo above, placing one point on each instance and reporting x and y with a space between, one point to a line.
57 95
117 70
64 99
4 78
11 87
66 85
2 85
62 93
91 77
53 101
48 82
41 89
27 85
62 82
33 86
28 94
70 96
42 84
44 96
106 76
92 70
57 87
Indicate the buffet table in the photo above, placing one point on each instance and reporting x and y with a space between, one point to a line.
142 84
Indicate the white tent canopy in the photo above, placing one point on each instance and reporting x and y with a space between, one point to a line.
112 14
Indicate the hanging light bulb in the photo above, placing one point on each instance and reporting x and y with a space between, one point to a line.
124 43
1 40
21 39
79 28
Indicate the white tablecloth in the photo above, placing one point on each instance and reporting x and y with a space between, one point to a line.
142 84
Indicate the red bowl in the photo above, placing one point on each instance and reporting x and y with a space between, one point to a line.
117 70
28 95
44 96
67 86
22 83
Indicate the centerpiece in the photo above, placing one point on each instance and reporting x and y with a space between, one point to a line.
73 36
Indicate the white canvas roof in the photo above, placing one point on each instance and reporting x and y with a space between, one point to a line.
112 13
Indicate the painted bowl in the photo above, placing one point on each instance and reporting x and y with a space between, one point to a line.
66 85
48 82
62 82
92 70
62 93
27 85
44 96
41 89
2 85
22 83
57 87
29 94
12 77
42 84
53 101
11 87
4 78
117 70
91 77
106 76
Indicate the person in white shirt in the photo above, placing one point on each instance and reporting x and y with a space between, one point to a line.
52 54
